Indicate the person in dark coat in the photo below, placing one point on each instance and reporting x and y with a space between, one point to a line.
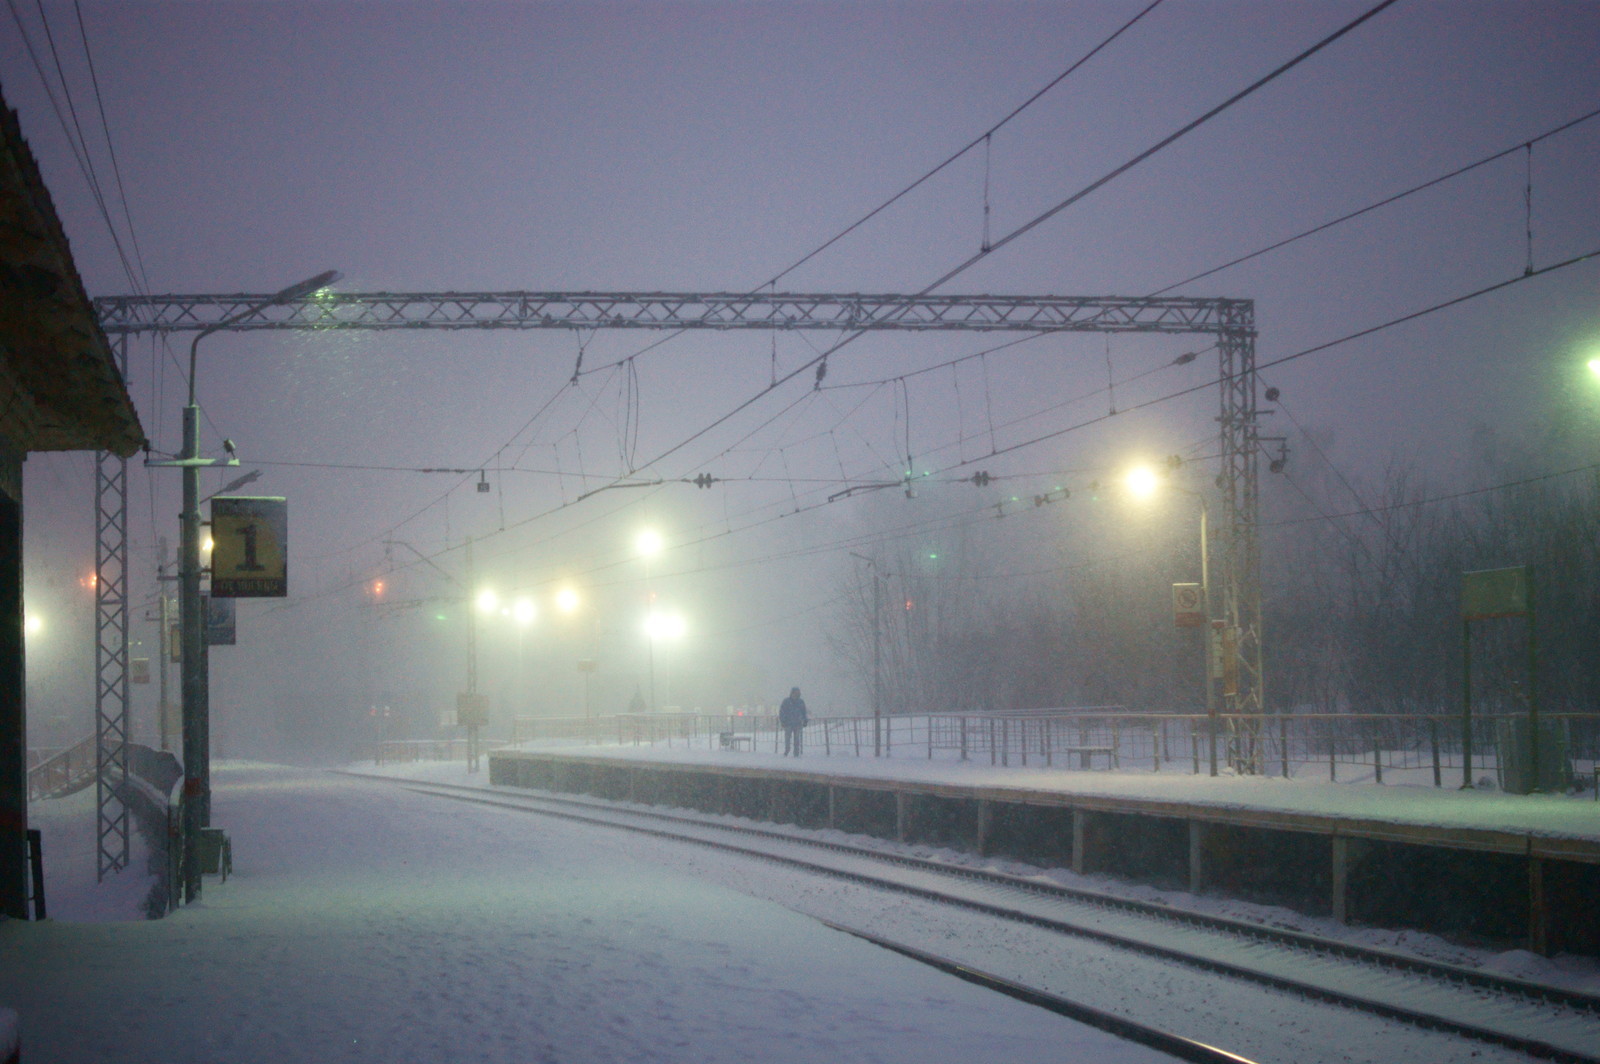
792 717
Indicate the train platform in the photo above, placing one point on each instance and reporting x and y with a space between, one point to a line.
1475 863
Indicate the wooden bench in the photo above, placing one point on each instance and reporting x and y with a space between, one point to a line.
730 741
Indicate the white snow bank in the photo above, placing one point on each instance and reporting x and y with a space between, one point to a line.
1446 807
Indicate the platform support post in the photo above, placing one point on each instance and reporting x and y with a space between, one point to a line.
985 818
900 799
833 821
1538 909
1197 857
1078 824
1339 893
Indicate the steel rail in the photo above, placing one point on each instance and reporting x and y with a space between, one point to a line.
1175 1045
1535 993
1431 969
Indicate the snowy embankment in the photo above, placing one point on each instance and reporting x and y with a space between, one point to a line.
365 923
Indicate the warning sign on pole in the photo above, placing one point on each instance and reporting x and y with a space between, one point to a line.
1187 610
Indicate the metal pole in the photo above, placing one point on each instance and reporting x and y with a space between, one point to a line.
1466 704
472 663
1533 690
877 662
1208 634
165 643
192 669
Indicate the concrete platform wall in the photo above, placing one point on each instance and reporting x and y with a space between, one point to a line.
1485 887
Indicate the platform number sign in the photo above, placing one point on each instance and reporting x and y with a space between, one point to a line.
249 558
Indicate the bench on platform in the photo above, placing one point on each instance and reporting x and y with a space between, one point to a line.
730 741
1086 754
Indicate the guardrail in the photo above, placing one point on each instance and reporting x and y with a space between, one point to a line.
64 771
1421 748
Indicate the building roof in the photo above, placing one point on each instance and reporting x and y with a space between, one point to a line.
60 389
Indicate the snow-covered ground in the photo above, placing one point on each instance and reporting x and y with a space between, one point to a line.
365 923
1470 809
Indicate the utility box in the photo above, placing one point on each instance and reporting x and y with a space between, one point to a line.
1516 756
215 853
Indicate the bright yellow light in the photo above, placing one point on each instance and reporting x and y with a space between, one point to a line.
648 542
206 543
523 611
488 601
1594 366
1142 482
32 624
665 625
566 600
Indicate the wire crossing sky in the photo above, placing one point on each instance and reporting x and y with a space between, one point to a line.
1405 190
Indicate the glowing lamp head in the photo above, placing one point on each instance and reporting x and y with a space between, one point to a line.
567 600
1142 482
524 612
32 624
665 625
488 601
1594 366
648 543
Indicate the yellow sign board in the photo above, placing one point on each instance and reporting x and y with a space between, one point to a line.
250 552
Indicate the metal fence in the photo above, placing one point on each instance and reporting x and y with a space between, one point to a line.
1426 749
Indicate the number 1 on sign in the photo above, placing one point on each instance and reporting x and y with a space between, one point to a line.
250 564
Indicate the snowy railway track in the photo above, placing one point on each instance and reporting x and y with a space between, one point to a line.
1542 1022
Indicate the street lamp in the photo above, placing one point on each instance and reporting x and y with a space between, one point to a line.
659 624
649 543
1142 483
191 622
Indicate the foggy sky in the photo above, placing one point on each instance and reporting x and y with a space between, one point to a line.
706 147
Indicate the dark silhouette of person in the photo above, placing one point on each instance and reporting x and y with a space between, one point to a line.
792 717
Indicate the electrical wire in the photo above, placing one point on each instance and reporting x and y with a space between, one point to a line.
1039 219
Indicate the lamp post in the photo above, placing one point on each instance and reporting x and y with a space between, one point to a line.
661 625
648 543
1143 482
877 654
194 670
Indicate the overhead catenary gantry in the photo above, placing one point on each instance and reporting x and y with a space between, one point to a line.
1230 321
682 310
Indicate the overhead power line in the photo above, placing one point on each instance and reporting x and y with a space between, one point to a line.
1040 219
1386 201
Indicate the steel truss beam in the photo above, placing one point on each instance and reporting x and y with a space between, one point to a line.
673 310
111 650
1230 321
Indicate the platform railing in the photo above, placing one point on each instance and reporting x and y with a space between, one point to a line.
406 751
1422 749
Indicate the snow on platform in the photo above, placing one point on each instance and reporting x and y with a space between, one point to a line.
366 923
1417 803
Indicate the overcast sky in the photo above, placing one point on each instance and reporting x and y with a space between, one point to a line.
707 147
